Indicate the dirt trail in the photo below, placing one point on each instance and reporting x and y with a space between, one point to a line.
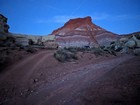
17 77
63 90
18 86
23 69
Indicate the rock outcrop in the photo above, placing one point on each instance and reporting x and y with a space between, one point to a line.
129 43
3 24
6 39
131 40
24 39
48 40
82 32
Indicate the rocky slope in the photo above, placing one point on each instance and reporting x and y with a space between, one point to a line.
82 32
128 43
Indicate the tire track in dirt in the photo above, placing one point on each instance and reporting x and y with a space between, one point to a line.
21 71
62 90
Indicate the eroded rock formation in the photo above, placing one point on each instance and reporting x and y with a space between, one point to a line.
3 24
82 32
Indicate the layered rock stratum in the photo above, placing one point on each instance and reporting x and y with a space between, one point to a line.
79 32
82 32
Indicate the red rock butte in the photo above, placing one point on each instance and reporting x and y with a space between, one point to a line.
82 32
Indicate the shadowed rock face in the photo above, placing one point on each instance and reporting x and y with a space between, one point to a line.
3 24
82 32
6 39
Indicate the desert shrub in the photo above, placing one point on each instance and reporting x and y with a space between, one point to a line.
30 49
63 55
102 47
9 42
113 42
109 50
76 49
97 51
30 42
4 61
71 49
100 51
68 54
18 45
83 49
22 47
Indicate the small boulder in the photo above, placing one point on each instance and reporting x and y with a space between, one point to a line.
130 43
125 50
137 41
123 40
118 48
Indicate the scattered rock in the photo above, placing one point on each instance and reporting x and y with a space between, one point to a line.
123 40
130 43
125 50
136 40
30 49
117 48
35 80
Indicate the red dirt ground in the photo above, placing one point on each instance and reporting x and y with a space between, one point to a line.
41 80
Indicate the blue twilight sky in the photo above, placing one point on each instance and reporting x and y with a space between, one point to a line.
41 17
